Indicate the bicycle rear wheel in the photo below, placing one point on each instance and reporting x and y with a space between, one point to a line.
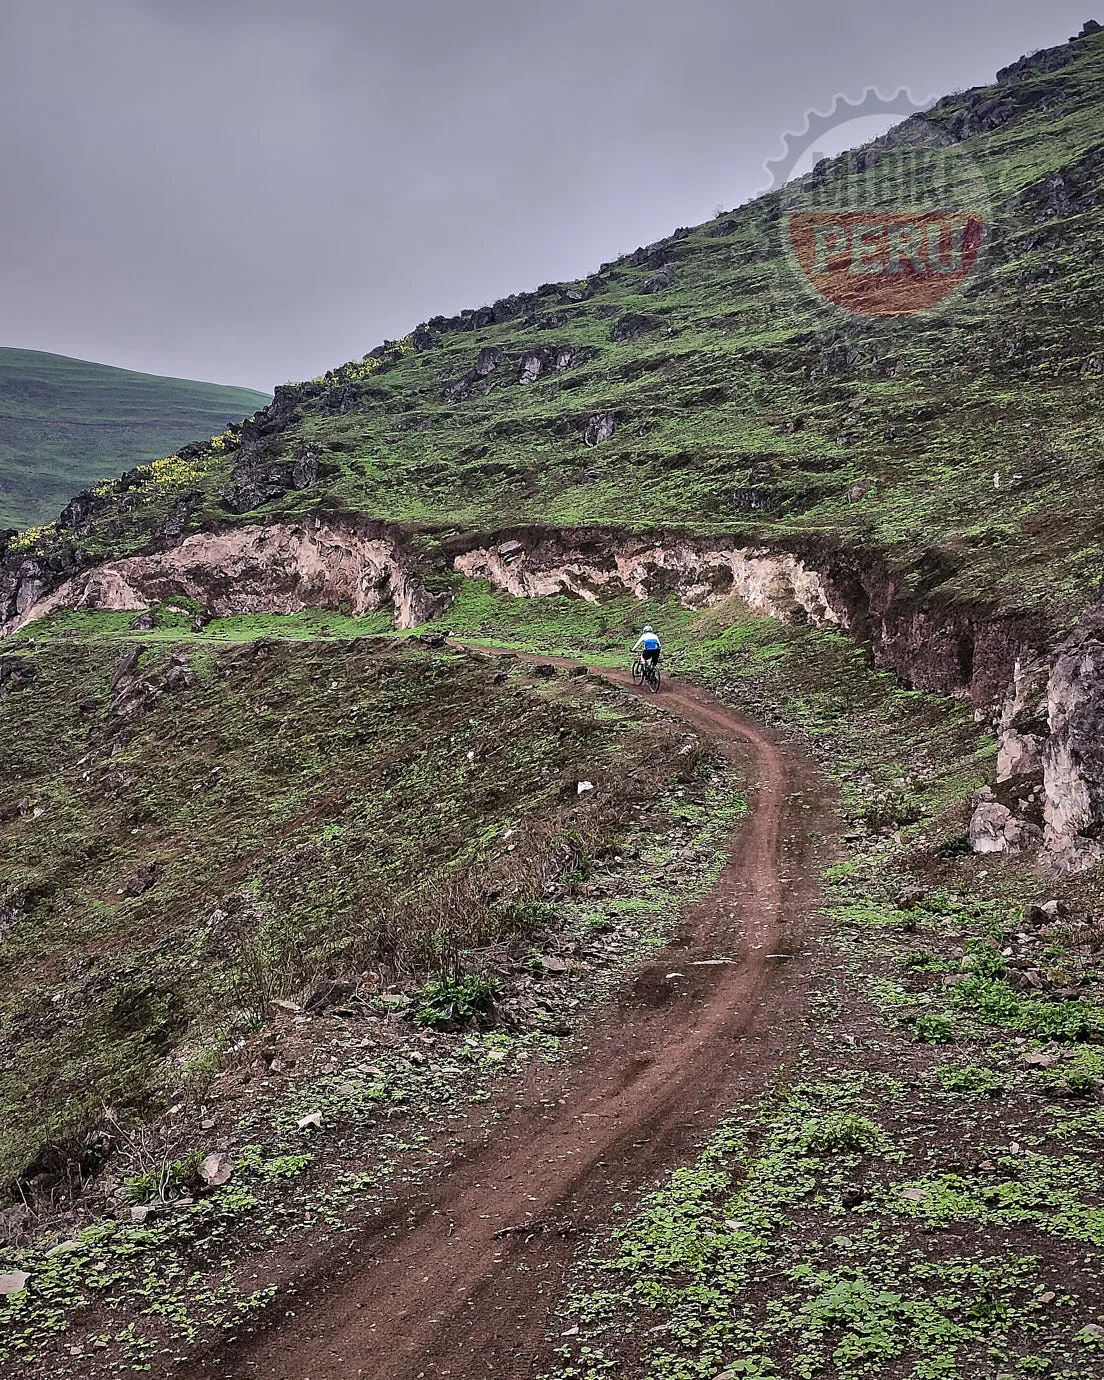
654 680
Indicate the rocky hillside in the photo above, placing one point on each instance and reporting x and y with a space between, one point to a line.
928 482
65 423
307 903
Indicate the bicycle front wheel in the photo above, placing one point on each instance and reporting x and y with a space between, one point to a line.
637 672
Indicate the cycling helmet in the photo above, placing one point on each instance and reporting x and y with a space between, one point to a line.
648 628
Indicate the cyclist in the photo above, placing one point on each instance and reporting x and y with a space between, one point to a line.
649 647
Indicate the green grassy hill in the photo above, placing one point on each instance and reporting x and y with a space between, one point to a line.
290 895
65 423
962 446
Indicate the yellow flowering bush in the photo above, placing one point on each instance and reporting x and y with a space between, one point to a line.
362 369
223 442
171 474
31 537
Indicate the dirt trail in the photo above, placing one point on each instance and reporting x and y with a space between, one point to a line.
461 1278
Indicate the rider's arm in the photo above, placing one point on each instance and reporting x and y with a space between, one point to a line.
639 644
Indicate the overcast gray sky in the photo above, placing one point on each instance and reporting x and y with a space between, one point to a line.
251 191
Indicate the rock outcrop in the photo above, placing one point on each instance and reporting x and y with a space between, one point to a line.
1073 756
282 568
699 572
1050 764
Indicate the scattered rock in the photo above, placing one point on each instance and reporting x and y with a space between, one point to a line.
14 1282
142 881
544 671
215 1169
144 622
584 787
530 366
313 1120
126 668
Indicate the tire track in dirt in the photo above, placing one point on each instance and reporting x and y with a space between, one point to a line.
461 1278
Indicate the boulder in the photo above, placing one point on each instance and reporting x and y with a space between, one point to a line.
995 829
489 360
530 366
629 326
659 281
599 428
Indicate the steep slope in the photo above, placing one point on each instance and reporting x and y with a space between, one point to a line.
931 476
340 963
65 423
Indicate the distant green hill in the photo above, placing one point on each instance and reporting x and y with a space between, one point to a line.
65 423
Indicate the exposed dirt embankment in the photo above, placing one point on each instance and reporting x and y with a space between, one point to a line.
280 568
943 648
699 573
1048 708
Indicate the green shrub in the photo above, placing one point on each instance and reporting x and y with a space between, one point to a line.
932 1028
453 1002
840 1133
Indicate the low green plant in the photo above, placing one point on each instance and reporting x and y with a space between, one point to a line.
932 1028
450 1003
841 1133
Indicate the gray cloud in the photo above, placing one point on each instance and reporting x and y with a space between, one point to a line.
254 190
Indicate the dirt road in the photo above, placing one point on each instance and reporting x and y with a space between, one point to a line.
461 1280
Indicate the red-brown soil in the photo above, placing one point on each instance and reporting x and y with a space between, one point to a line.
462 1278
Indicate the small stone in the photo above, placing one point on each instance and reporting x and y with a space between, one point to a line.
584 787
915 1194
311 1120
215 1169
14 1282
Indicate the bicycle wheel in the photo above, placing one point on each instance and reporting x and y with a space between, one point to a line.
637 672
653 680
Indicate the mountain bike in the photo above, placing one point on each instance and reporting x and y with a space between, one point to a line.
648 675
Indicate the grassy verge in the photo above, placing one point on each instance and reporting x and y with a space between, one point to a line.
299 907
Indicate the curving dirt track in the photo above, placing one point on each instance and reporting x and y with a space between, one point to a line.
461 1279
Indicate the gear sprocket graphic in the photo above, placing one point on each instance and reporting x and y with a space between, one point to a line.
817 124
